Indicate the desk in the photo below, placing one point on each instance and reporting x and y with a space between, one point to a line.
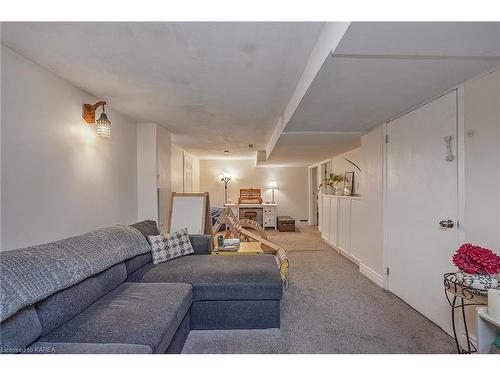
269 212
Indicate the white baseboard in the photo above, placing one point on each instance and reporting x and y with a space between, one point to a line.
371 274
349 256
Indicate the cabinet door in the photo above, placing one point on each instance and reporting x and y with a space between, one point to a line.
334 220
344 225
325 225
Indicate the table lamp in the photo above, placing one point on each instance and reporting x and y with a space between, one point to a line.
273 186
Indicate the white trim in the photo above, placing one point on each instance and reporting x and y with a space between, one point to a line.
323 132
372 275
349 256
461 165
385 261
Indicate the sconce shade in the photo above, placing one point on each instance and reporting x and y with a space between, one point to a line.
103 126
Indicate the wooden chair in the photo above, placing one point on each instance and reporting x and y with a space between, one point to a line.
238 229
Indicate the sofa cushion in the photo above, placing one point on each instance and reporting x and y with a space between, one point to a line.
147 228
19 330
230 277
133 313
169 246
133 264
62 306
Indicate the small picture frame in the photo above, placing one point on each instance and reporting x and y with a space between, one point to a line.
348 183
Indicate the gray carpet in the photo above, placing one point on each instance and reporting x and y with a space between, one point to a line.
331 308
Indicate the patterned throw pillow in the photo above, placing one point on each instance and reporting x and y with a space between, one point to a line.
169 246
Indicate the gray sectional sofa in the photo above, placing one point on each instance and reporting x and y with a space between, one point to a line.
134 306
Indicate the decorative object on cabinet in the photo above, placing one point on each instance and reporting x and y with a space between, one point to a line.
286 224
225 179
348 183
273 186
351 162
250 196
333 181
477 267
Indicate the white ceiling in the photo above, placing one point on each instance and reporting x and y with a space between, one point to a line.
215 85
222 86
382 69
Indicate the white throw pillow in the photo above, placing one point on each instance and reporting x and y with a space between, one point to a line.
169 246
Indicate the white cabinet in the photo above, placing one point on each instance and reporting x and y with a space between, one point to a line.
334 221
344 224
339 214
269 213
270 216
325 223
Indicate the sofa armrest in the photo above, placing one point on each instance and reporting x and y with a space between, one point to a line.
202 244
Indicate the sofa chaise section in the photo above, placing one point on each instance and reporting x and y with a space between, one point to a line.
229 292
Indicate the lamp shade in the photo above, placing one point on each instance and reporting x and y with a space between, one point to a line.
272 185
103 126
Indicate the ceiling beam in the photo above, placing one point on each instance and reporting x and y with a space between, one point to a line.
329 38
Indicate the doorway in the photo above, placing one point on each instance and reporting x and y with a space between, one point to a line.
422 194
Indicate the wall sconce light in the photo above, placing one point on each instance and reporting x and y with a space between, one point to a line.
273 186
103 125
225 179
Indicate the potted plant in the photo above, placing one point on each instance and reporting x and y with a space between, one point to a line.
331 181
477 267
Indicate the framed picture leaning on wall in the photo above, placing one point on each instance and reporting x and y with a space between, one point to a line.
348 183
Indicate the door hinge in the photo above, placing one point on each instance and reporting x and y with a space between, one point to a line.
387 271
387 138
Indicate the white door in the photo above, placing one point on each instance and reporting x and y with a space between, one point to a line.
421 192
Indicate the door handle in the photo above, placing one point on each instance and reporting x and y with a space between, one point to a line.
446 224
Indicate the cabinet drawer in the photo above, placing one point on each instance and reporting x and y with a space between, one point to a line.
270 210
270 221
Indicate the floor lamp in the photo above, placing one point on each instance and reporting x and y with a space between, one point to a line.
225 179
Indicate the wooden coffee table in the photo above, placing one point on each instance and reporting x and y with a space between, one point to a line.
246 248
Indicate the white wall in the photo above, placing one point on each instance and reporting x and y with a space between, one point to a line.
482 161
58 178
147 195
370 229
341 166
292 183
482 174
177 169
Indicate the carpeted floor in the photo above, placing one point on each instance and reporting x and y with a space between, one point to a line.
329 308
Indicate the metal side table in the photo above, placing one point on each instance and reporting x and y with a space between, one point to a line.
459 297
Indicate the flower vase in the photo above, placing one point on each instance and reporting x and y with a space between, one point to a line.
338 189
477 281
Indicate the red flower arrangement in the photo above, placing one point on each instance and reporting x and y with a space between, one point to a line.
476 260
